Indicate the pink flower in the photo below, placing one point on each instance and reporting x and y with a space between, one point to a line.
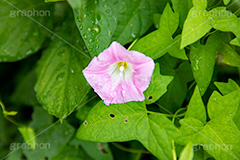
118 75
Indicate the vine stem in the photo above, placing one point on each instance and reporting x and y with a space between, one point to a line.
169 115
173 151
130 47
129 149
8 118
176 114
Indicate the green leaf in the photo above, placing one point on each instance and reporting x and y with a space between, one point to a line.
182 7
190 128
97 151
178 86
187 153
202 60
61 86
236 42
129 121
156 19
221 138
231 57
159 42
54 0
71 153
196 108
226 22
101 22
226 2
51 136
24 92
197 23
29 136
226 88
223 105
22 32
158 86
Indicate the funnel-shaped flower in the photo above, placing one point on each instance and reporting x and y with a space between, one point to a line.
118 75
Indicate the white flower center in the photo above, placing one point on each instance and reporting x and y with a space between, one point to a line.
120 71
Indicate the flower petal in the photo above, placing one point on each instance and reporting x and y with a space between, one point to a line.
101 75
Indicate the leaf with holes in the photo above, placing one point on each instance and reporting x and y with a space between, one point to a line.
30 32
158 86
101 22
61 86
129 121
159 42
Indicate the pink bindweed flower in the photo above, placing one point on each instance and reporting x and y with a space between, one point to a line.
118 75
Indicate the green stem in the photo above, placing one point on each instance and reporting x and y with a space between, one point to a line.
215 5
236 12
129 149
8 118
173 151
167 115
130 47
177 116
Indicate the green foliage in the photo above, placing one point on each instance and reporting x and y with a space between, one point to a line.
158 86
59 75
202 59
196 108
26 36
187 153
29 136
129 121
101 22
159 42
192 105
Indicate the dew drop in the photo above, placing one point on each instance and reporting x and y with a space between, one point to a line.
123 92
80 26
85 36
133 35
72 71
196 65
89 29
97 28
60 76
90 40
98 17
108 10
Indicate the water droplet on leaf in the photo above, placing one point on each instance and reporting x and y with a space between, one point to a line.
60 76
